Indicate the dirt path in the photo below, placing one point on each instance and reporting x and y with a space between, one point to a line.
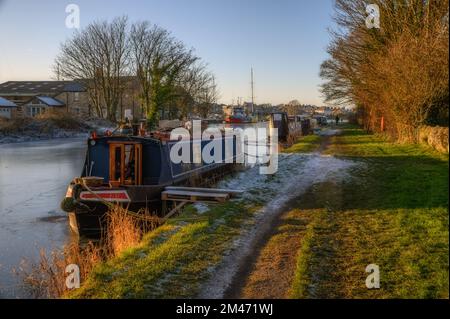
263 259
269 269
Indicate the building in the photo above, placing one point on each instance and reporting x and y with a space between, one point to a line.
324 110
7 108
34 97
129 105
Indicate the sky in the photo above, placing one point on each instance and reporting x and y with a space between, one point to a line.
284 41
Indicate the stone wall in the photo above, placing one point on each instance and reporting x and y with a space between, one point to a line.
76 103
435 136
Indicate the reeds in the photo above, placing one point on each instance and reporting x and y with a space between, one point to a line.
46 278
125 228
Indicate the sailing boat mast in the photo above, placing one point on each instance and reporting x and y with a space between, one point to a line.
253 97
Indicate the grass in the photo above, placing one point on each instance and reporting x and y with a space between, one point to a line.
305 144
172 260
301 275
392 211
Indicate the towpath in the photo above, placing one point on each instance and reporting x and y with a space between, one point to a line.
263 259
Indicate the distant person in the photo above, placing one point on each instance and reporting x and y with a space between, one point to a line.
337 119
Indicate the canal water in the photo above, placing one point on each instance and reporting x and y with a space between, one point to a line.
33 180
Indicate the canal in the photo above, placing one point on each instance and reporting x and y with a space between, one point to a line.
33 179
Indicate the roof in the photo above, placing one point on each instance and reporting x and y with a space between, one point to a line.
74 87
50 101
39 87
6 103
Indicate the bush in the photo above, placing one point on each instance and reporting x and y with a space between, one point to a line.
43 123
10 126
61 119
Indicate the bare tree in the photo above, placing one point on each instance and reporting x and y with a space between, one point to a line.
199 91
159 61
207 95
98 56
102 56
398 73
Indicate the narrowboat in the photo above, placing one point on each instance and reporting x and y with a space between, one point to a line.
132 170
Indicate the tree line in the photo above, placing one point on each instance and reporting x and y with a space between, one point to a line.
106 55
395 75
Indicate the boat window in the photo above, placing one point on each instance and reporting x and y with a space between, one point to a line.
129 164
125 164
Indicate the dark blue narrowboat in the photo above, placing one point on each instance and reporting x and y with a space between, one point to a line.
133 171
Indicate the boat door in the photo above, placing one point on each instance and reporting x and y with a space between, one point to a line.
125 163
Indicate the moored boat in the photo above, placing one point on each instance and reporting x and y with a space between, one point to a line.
133 171
238 116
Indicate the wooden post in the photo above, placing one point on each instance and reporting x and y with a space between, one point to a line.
164 206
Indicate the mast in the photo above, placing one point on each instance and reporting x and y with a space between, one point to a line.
253 97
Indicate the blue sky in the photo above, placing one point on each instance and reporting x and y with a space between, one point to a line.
284 41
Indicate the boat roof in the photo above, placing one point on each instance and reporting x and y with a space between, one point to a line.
125 138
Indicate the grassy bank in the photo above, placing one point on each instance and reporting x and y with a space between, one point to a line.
305 144
173 260
392 211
